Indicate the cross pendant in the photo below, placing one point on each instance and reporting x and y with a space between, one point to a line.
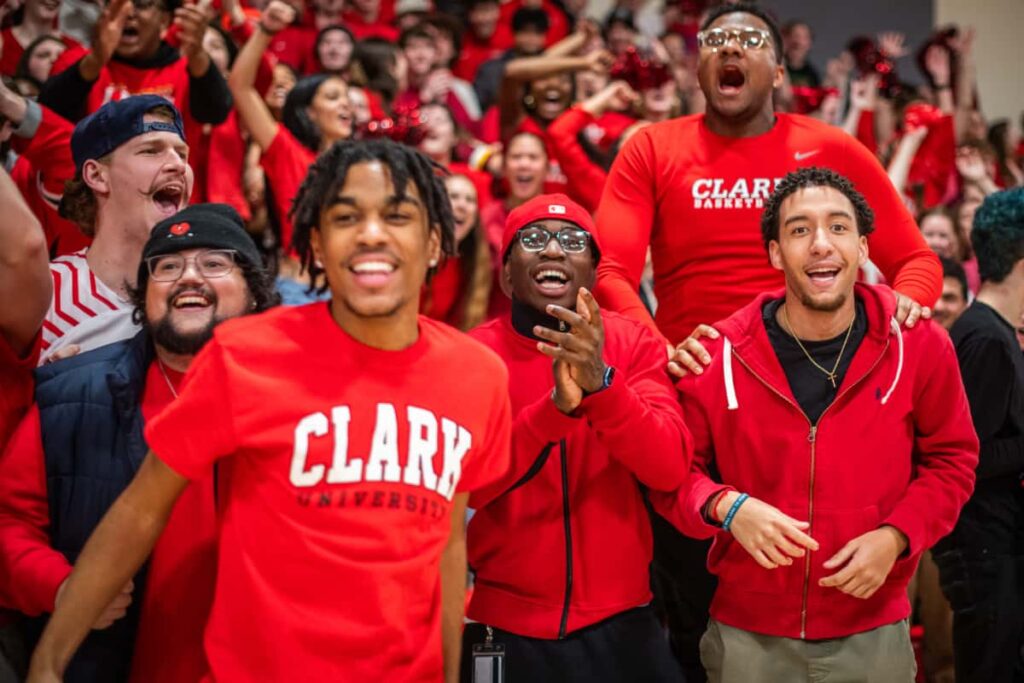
832 378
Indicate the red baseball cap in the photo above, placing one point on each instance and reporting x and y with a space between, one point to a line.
542 207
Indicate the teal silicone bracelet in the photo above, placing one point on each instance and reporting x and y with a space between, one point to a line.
732 511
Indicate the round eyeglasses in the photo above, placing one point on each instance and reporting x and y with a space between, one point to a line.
210 263
747 38
572 240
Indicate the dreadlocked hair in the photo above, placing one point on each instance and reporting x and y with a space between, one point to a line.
813 176
327 176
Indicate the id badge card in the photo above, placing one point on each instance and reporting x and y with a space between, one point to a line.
489 663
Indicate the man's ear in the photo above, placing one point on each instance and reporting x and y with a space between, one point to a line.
434 246
96 176
780 75
775 254
862 251
506 279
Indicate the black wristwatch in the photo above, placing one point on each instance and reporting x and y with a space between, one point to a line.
609 375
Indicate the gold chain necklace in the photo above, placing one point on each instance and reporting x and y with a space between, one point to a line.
831 375
174 392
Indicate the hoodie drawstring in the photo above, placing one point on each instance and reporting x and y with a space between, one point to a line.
730 387
895 327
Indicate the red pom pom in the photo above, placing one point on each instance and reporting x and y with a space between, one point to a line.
405 126
640 73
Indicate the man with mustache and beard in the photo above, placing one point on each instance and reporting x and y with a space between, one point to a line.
82 441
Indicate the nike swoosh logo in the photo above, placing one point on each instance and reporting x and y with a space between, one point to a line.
800 156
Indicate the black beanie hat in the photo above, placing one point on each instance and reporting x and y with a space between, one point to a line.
209 226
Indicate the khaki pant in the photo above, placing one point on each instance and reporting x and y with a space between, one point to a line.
882 655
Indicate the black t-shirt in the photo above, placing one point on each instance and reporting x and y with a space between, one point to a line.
992 368
811 387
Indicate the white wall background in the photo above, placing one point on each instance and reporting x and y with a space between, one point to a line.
999 50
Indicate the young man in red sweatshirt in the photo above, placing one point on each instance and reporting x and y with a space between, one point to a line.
78 446
350 432
832 447
692 189
561 546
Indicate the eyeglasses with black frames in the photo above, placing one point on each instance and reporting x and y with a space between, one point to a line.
572 240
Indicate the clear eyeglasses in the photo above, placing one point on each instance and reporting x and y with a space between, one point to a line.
210 263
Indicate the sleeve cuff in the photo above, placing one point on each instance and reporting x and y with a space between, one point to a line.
605 402
48 576
33 117
910 527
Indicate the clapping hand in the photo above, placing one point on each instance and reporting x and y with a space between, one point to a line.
578 354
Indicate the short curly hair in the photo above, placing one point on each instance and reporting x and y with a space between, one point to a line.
998 234
813 176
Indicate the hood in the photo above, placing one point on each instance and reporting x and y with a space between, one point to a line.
744 333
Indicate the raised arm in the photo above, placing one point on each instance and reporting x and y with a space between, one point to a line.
255 115
111 557
525 69
965 81
906 149
24 269
586 178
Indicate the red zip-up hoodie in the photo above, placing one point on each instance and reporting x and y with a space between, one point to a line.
897 447
564 540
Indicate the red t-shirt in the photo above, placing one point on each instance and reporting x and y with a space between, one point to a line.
336 503
182 568
696 199
285 163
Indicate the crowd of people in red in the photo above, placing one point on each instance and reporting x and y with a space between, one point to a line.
661 131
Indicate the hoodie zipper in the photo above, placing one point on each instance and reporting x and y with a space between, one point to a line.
568 540
812 437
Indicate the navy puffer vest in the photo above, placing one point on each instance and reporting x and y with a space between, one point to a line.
91 418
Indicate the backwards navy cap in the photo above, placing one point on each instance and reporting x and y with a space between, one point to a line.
115 123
